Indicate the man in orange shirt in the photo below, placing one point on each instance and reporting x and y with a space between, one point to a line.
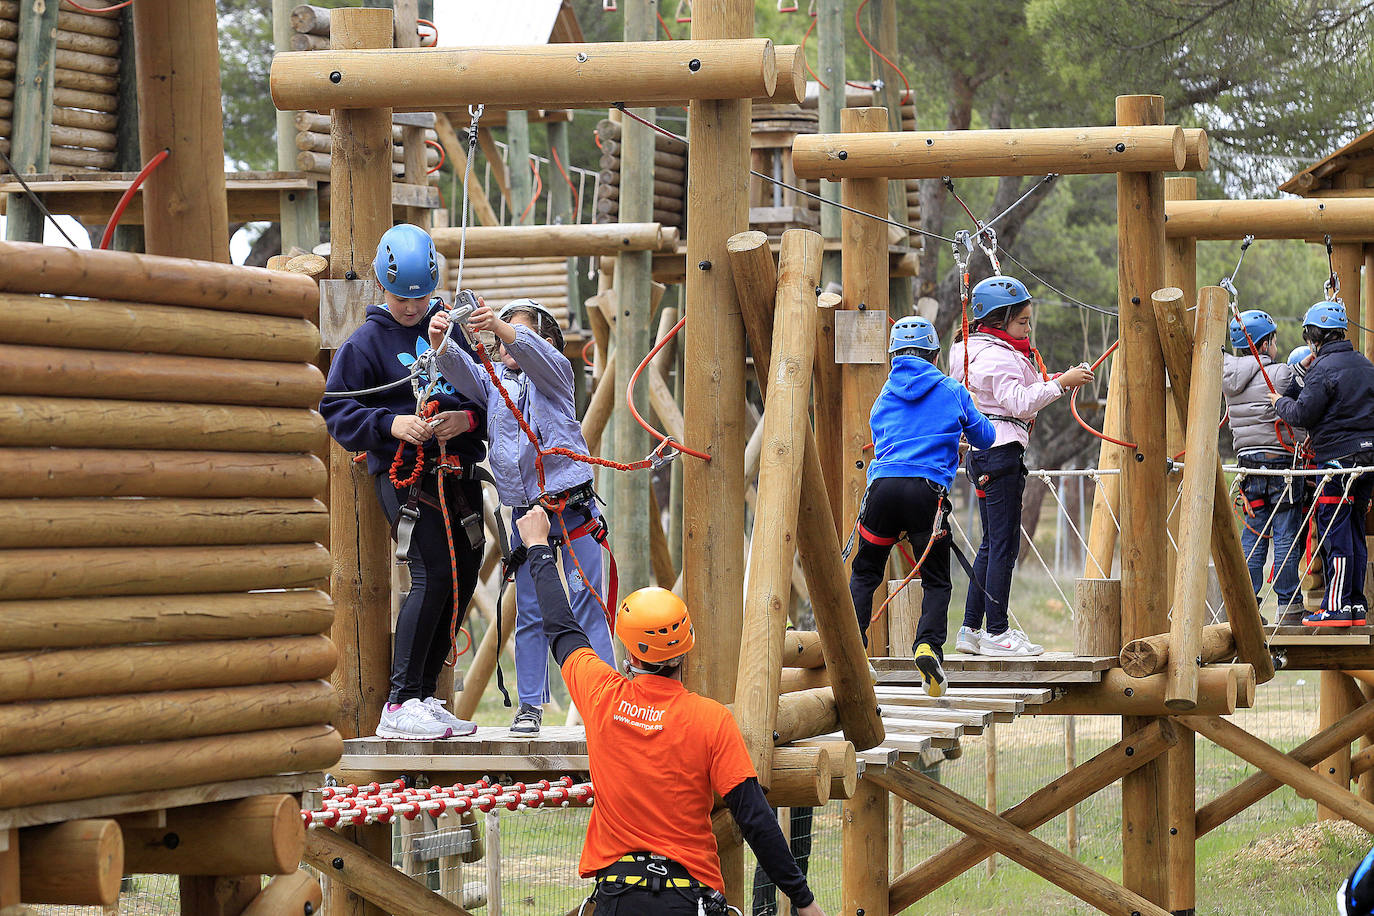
659 754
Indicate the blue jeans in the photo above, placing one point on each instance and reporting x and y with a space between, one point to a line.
1277 521
531 648
999 474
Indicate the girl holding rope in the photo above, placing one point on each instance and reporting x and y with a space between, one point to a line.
375 411
1332 397
1009 384
538 379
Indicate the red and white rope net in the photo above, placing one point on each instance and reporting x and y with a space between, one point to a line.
375 803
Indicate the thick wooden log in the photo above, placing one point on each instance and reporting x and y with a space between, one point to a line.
583 240
77 863
310 20
1196 150
799 777
72 423
94 45
1040 807
827 387
1284 768
977 153
67 775
66 673
844 769
27 370
1175 327
79 522
1144 657
1343 219
864 847
794 679
599 407
1097 617
1119 694
786 428
802 649
42 472
77 117
76 98
248 836
54 725
30 268
363 873
84 62
83 137
91 159
1199 476
288 895
817 540
806 714
566 76
1240 797
102 324
86 622
1335 701
1014 842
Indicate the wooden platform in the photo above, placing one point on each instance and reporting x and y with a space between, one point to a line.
158 800
971 670
492 749
1319 636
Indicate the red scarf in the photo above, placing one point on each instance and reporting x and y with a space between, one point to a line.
1019 344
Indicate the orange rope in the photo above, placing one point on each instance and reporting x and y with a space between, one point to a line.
442 155
915 571
806 63
538 189
864 38
96 12
630 394
434 43
577 195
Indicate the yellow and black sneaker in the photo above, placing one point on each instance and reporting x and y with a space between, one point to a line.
931 672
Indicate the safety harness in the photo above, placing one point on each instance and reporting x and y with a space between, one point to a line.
646 871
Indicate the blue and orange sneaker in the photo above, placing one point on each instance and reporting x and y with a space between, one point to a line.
1324 618
1359 615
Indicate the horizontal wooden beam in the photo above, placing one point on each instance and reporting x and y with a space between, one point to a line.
540 76
1348 219
981 153
1119 694
373 879
79 862
247 836
1150 655
576 241
1013 842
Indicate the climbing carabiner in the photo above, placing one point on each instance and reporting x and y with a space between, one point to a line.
663 455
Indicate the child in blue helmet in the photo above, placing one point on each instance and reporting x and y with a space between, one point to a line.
917 422
379 353
538 379
1006 380
1274 512
1332 397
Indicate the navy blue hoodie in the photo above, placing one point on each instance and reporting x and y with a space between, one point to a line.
382 351
917 421
1335 403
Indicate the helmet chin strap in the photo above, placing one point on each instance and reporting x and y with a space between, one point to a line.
662 669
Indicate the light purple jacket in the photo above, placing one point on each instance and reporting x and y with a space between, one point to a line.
543 388
1004 384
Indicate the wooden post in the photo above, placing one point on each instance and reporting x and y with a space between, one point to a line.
1180 253
1348 258
300 209
864 848
1097 617
205 895
9 867
1140 233
1365 776
1334 705
298 892
127 153
632 332
359 213
184 204
1070 764
830 30
827 387
518 163
413 148
1369 292
1199 477
713 396
786 428
32 119
883 17
990 764
864 243
561 199
1103 527
903 617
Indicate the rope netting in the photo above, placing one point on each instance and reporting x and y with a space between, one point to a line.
380 803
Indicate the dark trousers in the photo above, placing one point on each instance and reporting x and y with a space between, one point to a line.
999 477
894 505
422 628
1340 528
637 902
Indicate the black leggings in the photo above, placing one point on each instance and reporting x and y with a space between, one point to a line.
422 628
619 900
894 505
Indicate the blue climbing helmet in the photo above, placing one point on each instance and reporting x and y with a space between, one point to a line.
913 331
407 264
1327 315
1299 354
995 293
1254 322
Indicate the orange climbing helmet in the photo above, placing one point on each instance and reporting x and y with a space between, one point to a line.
654 625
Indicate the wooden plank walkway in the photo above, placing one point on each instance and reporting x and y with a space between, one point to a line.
968 670
1319 636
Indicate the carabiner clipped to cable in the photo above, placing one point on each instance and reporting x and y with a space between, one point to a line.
1229 283
1331 289
989 247
663 455
962 237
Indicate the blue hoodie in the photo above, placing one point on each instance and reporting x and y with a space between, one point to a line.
917 421
381 351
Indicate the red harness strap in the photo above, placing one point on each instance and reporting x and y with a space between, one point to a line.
595 527
874 539
1335 500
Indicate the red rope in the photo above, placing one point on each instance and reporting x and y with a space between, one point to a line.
567 539
1073 405
915 571
630 394
442 155
128 194
666 31
806 63
577 195
538 189
864 38
434 43
96 12
585 347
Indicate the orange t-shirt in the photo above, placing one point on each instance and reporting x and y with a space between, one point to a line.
657 753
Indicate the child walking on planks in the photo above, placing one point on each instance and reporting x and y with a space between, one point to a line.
1273 505
1009 384
376 413
1332 397
538 379
917 421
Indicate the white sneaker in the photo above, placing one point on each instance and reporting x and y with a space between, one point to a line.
460 726
1011 643
411 721
969 641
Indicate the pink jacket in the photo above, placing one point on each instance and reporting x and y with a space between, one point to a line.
1004 384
